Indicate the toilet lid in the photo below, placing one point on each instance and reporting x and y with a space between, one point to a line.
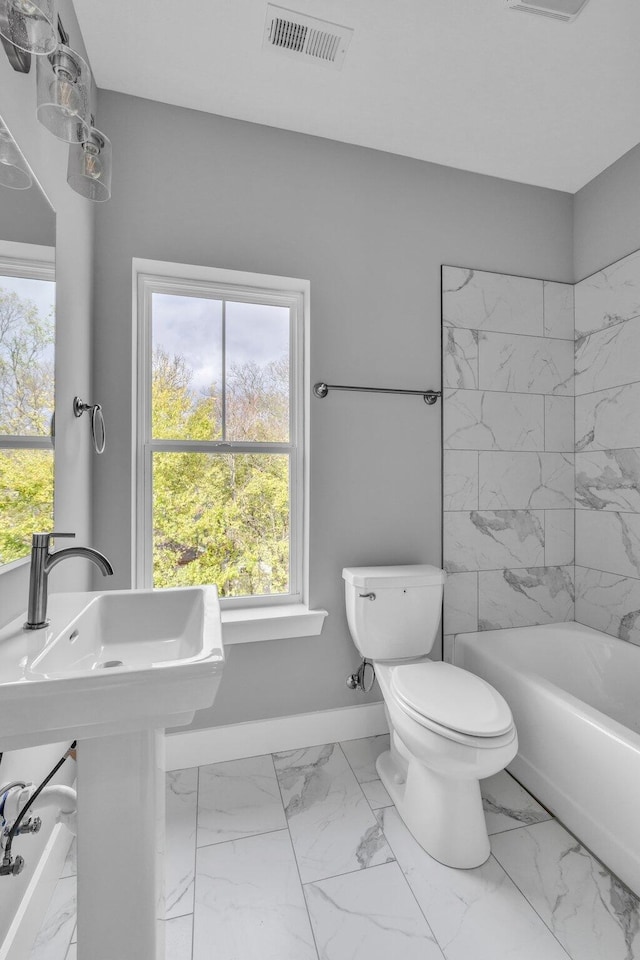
453 698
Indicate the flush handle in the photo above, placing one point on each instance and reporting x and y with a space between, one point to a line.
368 596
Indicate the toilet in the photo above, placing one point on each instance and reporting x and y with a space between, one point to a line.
449 728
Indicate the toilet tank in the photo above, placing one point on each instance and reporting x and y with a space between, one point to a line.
393 612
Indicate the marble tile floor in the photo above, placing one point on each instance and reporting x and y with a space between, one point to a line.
302 856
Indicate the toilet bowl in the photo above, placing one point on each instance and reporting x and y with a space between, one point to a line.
449 729
432 771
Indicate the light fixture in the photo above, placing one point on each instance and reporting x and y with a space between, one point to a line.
30 25
14 172
64 94
89 169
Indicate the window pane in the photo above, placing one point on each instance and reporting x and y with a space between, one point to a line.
223 519
186 340
27 329
26 499
257 371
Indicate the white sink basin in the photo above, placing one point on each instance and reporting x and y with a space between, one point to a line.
110 663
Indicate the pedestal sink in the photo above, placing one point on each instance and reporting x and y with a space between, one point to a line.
111 671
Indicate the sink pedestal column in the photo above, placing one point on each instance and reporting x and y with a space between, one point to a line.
120 847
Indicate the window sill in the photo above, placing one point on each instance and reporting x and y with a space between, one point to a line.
254 624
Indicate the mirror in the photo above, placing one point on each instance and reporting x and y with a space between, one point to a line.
27 346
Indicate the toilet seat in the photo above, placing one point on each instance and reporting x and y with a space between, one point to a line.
451 701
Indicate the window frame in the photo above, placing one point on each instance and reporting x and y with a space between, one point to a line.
209 282
30 261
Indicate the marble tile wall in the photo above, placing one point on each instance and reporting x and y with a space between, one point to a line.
509 461
607 388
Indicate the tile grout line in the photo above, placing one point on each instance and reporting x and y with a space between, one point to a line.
295 858
408 883
195 867
360 782
246 836
513 333
373 813
523 894
350 765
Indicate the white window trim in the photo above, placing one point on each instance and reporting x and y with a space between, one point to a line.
249 619
33 262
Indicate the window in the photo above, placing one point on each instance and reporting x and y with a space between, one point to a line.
27 334
220 427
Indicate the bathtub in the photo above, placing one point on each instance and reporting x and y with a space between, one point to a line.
575 696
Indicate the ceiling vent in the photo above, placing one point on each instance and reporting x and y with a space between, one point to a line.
566 10
304 38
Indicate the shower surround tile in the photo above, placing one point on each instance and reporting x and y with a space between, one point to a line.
512 548
608 541
609 602
178 936
460 613
589 910
331 824
525 597
609 296
238 798
491 301
460 358
608 358
608 480
608 419
525 364
484 420
559 538
493 539
181 805
371 915
460 480
525 480
249 902
474 914
507 805
559 424
558 310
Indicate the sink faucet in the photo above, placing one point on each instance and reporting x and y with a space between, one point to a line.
42 563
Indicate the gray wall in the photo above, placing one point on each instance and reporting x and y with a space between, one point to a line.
370 231
607 216
26 217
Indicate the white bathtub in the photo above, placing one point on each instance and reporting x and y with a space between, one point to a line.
575 697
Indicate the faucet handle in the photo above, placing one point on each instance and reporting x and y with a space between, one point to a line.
44 539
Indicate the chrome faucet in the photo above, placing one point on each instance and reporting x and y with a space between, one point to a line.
42 563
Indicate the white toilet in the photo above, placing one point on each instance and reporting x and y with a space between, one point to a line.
449 728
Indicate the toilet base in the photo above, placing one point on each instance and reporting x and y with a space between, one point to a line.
444 814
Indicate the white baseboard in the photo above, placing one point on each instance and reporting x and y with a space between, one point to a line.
194 748
35 902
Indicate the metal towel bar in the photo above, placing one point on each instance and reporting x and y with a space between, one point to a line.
429 396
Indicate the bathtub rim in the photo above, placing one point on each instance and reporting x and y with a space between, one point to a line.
592 715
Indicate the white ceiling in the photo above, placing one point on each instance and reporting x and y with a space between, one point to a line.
466 83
